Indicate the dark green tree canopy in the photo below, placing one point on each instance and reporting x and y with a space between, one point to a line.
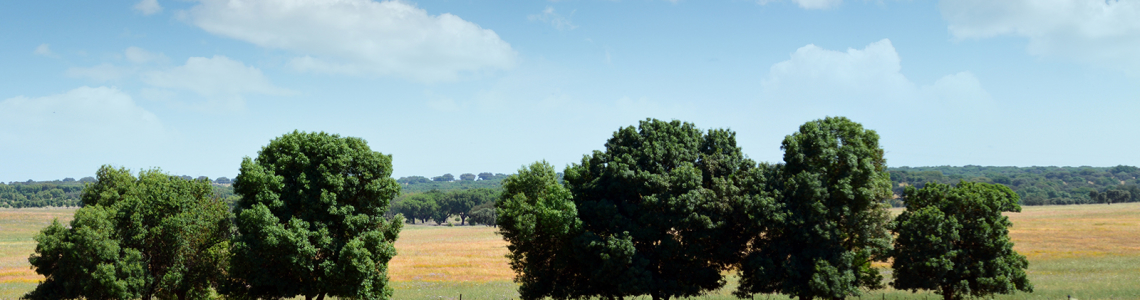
538 220
955 241
651 214
310 221
831 189
152 236
445 177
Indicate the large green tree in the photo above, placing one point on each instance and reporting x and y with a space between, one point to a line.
831 189
955 241
654 210
539 221
310 221
152 236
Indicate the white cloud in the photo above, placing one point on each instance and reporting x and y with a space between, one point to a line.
140 56
100 73
148 7
867 80
1103 32
554 19
221 80
359 36
87 118
809 4
44 50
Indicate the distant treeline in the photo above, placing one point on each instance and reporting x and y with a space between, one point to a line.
1035 185
66 192
448 182
471 206
59 193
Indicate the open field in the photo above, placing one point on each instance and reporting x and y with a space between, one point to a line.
1087 251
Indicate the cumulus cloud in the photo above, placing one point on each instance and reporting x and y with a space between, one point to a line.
148 7
221 80
85 117
864 80
1092 31
359 36
809 4
548 16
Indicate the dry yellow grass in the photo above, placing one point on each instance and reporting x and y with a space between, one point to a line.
17 227
439 253
1054 232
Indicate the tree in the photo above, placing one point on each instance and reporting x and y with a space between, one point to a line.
152 236
203 178
653 220
461 202
538 220
222 180
483 214
1117 196
87 179
486 176
831 190
954 240
445 178
310 221
413 180
467 177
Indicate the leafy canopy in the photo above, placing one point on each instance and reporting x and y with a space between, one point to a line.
832 217
538 220
954 240
310 221
653 220
152 236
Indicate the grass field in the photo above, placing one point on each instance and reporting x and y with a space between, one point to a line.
1086 251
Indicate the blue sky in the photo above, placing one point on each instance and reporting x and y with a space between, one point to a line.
488 86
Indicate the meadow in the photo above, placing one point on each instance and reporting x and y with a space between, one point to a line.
1083 251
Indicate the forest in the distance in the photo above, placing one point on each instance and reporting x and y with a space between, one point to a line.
1035 185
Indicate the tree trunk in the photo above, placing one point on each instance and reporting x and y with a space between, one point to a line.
321 296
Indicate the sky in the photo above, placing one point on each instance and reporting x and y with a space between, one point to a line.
192 87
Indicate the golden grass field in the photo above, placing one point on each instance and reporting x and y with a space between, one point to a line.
1086 251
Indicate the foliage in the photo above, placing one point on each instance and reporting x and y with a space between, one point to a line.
41 194
152 236
538 220
467 177
445 178
310 221
439 206
461 202
955 241
831 189
420 184
1035 185
484 214
654 220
